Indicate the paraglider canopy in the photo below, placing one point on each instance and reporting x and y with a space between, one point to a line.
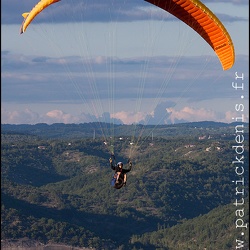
29 16
196 15
192 12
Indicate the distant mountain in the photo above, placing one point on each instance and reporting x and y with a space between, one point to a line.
90 130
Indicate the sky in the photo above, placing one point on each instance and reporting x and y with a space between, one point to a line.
119 61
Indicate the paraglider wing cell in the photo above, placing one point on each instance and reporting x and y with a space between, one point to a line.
196 15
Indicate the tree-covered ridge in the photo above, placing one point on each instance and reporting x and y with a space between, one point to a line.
214 230
97 129
63 186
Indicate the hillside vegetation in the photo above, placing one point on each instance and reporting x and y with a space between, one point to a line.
179 194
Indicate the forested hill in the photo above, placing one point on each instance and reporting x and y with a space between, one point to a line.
59 130
179 194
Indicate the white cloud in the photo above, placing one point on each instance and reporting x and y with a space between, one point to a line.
19 117
171 116
28 116
191 114
129 117
55 116
235 116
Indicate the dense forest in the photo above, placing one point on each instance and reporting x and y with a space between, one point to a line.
180 194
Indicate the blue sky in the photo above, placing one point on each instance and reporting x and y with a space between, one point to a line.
85 61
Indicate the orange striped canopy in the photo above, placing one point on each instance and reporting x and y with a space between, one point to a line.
196 15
